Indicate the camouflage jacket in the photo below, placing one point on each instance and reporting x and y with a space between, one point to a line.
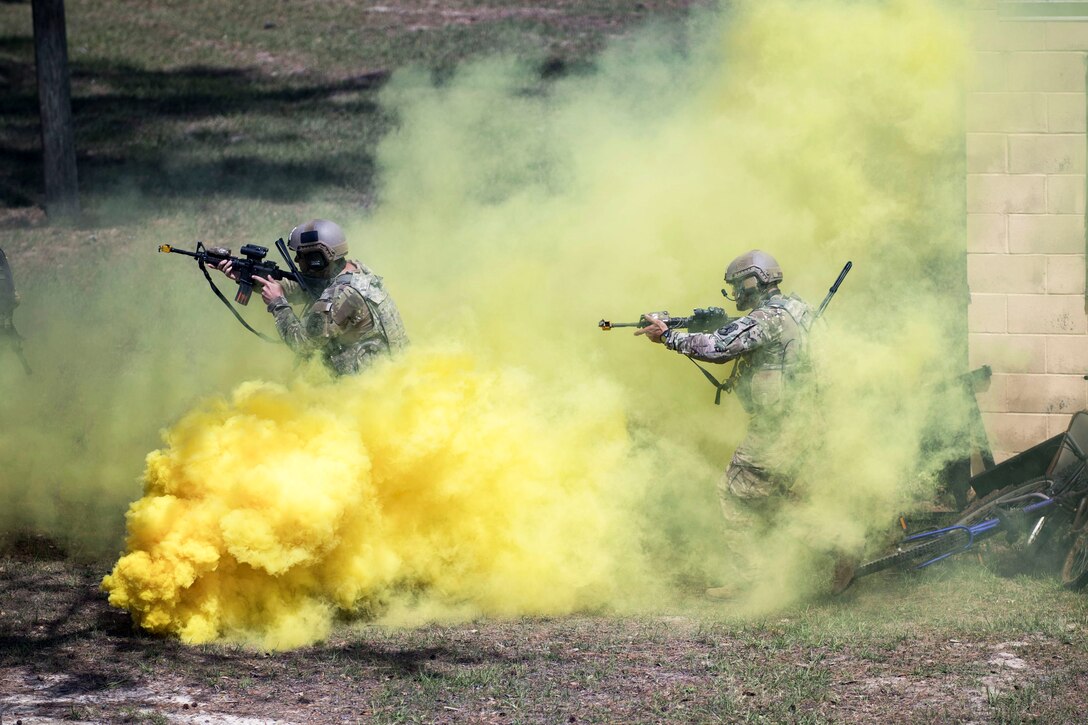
352 321
768 344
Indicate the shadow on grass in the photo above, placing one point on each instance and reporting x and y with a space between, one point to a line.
194 132
57 623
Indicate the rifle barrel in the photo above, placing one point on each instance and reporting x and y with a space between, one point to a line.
606 325
167 249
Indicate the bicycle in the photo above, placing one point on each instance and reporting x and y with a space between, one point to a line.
1039 507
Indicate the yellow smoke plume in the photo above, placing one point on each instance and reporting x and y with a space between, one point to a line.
543 467
435 474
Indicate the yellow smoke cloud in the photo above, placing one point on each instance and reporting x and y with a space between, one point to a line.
545 467
820 132
437 473
120 343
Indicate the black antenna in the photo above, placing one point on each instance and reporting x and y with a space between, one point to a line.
834 288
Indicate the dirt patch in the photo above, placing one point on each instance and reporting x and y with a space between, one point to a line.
65 654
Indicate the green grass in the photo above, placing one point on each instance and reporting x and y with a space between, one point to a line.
855 659
199 107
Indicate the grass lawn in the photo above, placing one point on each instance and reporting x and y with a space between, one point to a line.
956 643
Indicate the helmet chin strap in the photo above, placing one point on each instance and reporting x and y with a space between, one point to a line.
750 298
336 268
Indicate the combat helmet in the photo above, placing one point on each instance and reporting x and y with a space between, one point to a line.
320 247
751 275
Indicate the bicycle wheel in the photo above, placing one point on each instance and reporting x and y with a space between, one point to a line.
1075 569
982 509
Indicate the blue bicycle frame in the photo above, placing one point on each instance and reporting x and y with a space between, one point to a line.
987 527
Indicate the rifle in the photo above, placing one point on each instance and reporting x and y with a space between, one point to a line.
702 319
9 300
712 318
251 264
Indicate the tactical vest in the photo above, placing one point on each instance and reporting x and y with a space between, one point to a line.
387 334
765 376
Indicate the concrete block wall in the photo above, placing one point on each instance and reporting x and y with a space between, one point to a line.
1026 143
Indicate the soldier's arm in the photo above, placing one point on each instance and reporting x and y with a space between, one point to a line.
293 291
724 344
291 328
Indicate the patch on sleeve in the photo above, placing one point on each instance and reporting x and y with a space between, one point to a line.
731 329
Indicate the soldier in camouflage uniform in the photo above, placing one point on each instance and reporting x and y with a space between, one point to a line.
768 345
353 320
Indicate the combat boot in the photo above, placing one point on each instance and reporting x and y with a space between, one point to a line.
843 575
721 594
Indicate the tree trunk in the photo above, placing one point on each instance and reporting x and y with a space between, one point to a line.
58 141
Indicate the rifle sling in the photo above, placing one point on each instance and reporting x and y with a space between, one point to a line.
727 386
225 301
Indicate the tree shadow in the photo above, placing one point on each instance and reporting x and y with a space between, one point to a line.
194 132
58 626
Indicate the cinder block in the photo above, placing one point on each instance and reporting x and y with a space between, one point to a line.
989 73
1007 112
1046 393
1014 432
1005 273
1047 315
990 33
988 233
1065 35
1065 194
993 400
1046 233
1065 275
1055 72
1065 112
987 313
1067 354
1058 423
986 153
1046 153
1007 353
1006 194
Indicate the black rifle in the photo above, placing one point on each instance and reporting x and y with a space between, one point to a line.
9 300
251 264
702 319
713 318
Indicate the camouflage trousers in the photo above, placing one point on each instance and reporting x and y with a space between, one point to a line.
750 492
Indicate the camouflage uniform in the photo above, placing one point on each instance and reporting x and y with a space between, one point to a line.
353 321
768 345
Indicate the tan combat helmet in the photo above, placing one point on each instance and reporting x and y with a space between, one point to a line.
318 246
750 275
